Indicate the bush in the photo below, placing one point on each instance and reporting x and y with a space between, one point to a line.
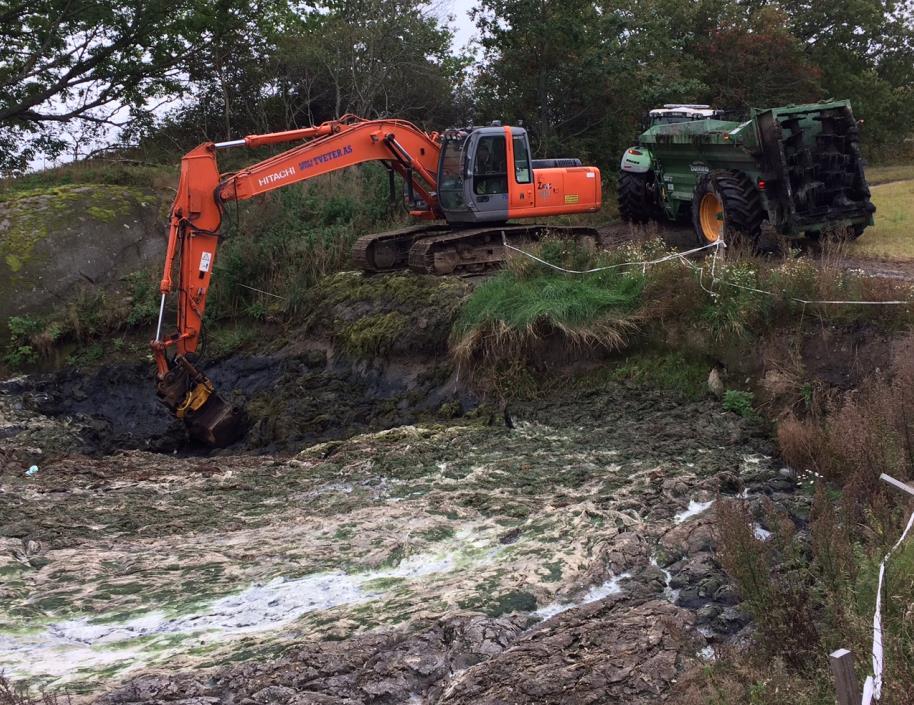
739 402
143 290
868 433
735 310
771 580
30 339
287 241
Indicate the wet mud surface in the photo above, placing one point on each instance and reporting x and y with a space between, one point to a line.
561 559
293 399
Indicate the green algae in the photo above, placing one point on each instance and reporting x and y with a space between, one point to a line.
373 336
491 503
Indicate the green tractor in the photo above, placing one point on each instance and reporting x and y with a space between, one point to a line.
794 171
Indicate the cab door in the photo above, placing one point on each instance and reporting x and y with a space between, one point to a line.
488 174
521 172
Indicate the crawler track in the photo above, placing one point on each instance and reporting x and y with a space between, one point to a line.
441 250
388 252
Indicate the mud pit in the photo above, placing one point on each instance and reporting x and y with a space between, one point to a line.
568 559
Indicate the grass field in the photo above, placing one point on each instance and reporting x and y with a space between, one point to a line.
884 174
893 235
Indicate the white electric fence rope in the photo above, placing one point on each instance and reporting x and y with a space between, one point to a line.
872 687
261 291
644 263
715 280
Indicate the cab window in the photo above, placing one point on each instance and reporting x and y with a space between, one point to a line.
490 172
450 178
521 160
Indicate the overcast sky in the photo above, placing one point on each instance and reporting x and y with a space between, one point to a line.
465 29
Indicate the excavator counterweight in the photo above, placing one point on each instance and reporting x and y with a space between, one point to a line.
468 182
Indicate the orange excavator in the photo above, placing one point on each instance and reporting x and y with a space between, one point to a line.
473 179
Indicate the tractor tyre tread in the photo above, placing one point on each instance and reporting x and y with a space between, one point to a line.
742 204
635 204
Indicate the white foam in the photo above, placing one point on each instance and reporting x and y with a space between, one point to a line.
597 592
670 593
760 533
67 646
694 509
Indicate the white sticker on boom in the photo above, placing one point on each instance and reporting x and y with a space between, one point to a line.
590 175
205 259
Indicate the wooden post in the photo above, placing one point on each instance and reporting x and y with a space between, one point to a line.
842 667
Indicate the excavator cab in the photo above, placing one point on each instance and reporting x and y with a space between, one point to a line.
474 178
486 175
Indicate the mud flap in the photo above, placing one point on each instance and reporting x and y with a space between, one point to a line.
190 396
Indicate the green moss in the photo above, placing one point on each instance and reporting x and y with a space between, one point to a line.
405 289
665 370
27 217
373 335
105 215
553 572
505 603
88 172
439 533
12 569
383 584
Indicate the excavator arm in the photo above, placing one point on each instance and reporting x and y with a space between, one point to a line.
193 237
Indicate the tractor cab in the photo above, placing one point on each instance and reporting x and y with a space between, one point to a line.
672 113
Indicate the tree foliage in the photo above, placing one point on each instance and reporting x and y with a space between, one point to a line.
584 71
86 61
578 73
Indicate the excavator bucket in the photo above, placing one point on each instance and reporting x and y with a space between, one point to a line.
191 396
217 423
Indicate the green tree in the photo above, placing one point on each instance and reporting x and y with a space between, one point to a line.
370 58
92 62
554 65
231 73
750 59
265 68
865 50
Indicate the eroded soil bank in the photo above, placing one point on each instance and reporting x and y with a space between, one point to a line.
560 552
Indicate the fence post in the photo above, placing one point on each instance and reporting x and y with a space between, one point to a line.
842 667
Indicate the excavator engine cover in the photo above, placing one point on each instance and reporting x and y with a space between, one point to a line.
190 396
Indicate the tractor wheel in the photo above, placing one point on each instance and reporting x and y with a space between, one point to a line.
726 205
635 202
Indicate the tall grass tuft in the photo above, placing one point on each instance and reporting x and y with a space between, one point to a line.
516 313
